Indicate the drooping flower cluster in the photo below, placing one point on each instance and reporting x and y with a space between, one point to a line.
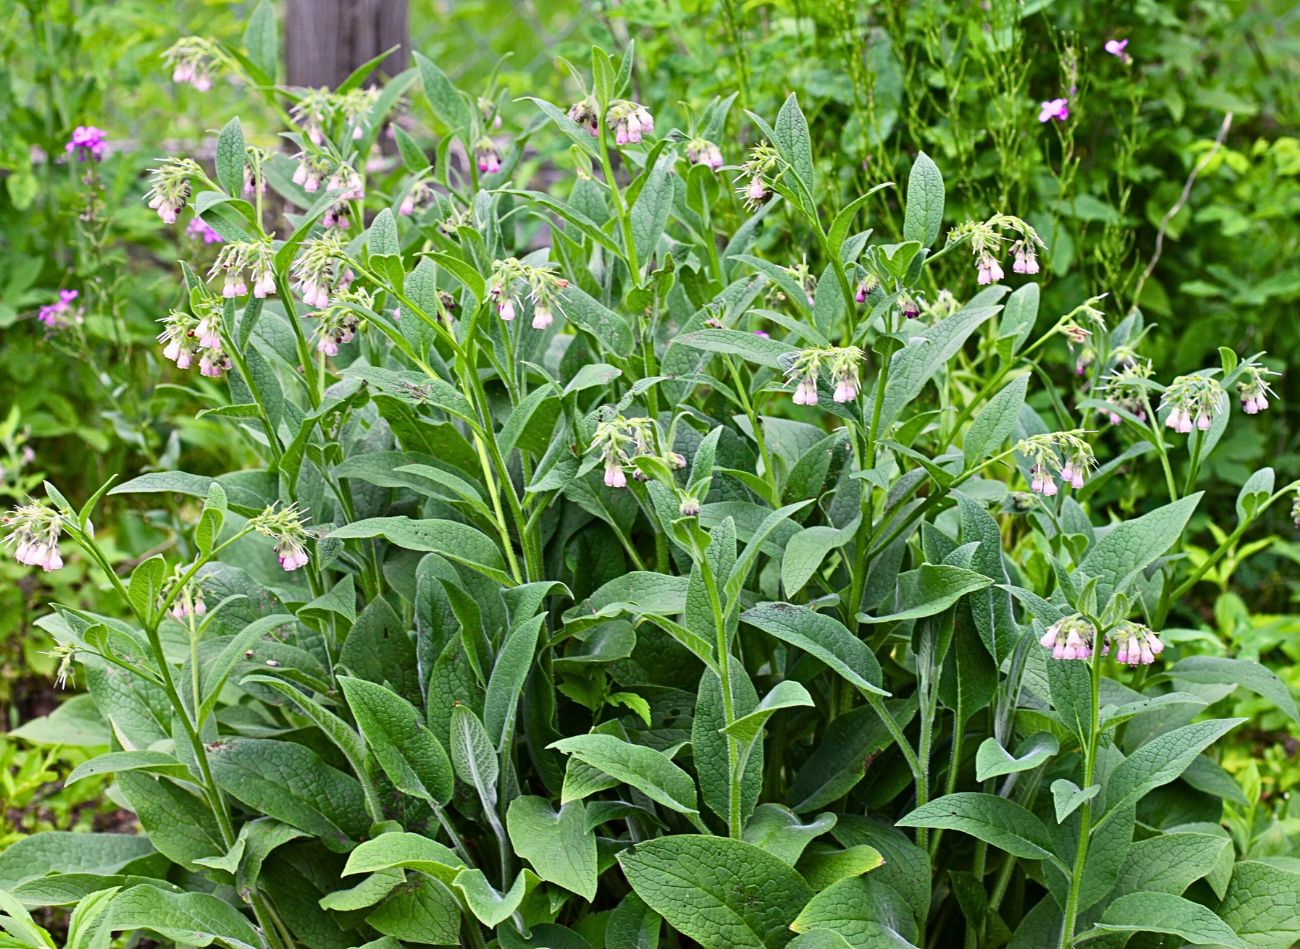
315 270
1254 389
313 111
1057 454
285 526
620 441
1135 644
630 121
418 196
842 364
584 113
186 337
512 280
337 323
189 598
866 286
1078 326
88 143
987 238
486 156
1127 387
1071 637
1193 402
257 258
55 315
755 173
34 530
170 187
700 151
348 184
312 170
193 60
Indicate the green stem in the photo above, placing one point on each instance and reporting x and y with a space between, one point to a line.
734 827
1085 809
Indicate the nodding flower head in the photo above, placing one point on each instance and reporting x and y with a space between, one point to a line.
908 306
866 286
1254 389
487 157
34 530
170 187
619 441
1054 109
193 60
987 239
311 172
186 338
629 121
512 280
1135 644
315 271
256 259
188 601
337 323
88 143
842 364
762 166
584 113
1128 387
1057 454
990 271
1071 638
419 196
1193 402
1026 257
313 111
285 526
689 507
700 151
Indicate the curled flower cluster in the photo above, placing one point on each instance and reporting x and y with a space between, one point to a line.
170 187
584 113
841 364
620 441
193 60
866 286
987 238
511 278
755 172
315 270
1126 387
487 157
338 323
255 257
313 111
1135 644
1193 402
34 533
88 143
629 120
55 315
355 105
285 526
1254 389
908 306
189 598
1057 454
1072 637
700 151
185 337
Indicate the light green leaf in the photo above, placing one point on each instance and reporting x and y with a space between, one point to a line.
867 913
491 908
807 549
558 844
472 754
1262 905
230 158
717 891
931 589
1155 912
407 851
1215 670
1170 863
786 694
1256 490
1131 546
992 760
455 541
443 97
1067 796
794 142
410 755
648 770
748 346
779 831
923 217
825 867
506 683
995 820
194 919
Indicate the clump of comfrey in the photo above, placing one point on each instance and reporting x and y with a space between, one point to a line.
1064 455
1071 637
34 531
285 526
841 364
1135 644
170 187
1193 402
987 239
513 280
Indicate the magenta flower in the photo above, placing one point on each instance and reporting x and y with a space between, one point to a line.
1116 49
1058 109
87 142
198 228
52 314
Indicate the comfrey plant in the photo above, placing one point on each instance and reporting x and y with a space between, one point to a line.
650 584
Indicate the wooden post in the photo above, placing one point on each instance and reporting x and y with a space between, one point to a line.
326 39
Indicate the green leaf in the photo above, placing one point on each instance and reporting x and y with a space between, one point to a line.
786 694
507 681
262 39
491 908
57 851
825 867
1254 492
1170 863
422 912
995 422
932 588
1131 546
648 770
717 891
992 760
992 819
650 213
230 158
407 851
443 97
1262 905
587 313
1215 670
1155 912
456 541
409 753
147 582
472 754
867 913
1067 796
381 236
806 550
1161 760
822 636
748 346
794 143
558 844
155 762
779 831
925 195
193 919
